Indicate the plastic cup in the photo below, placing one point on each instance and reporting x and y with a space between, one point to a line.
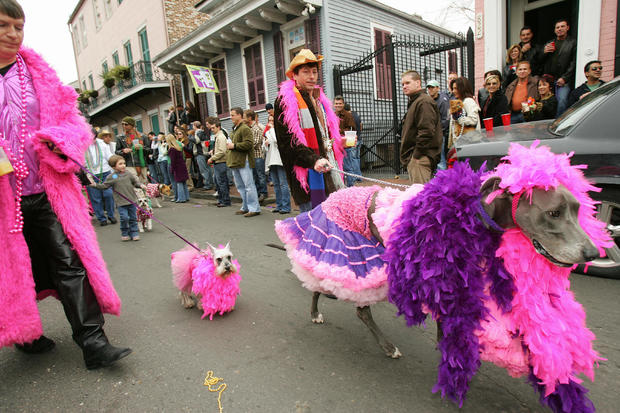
350 136
506 119
5 164
488 123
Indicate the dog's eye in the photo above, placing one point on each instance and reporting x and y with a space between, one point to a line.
554 214
218 260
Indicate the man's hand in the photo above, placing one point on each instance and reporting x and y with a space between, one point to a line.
526 47
126 150
230 145
322 165
561 82
209 161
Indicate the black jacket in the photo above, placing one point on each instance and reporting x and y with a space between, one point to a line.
548 110
534 56
132 158
497 106
574 95
564 66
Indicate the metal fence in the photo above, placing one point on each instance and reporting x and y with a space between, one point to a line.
371 85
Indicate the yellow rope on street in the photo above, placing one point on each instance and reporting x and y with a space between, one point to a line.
212 381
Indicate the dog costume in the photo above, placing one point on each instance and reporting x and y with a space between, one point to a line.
441 259
194 272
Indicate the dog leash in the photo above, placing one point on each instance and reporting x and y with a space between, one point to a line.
148 213
365 178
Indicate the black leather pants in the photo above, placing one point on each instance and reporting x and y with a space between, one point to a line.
56 265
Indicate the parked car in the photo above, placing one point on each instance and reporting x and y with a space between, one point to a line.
591 129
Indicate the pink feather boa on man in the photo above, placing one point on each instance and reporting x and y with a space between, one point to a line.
62 124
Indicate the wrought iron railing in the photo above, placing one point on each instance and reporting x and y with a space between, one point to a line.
139 73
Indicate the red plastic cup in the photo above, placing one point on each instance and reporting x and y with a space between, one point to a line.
506 119
488 123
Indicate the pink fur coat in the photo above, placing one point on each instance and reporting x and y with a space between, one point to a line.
61 123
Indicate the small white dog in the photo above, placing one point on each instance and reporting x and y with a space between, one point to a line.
145 212
211 275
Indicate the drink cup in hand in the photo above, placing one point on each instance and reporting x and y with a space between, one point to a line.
5 164
350 138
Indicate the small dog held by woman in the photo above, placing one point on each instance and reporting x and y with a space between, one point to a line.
211 276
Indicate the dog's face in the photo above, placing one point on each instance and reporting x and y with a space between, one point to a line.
550 220
222 259
164 189
144 204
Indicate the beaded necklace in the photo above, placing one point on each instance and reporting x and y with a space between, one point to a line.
17 160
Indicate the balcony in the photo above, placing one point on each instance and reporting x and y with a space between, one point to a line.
144 76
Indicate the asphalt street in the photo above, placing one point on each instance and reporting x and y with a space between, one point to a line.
267 351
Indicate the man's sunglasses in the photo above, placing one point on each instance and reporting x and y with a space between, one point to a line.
596 68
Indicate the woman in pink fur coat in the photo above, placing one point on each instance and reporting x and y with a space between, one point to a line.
49 246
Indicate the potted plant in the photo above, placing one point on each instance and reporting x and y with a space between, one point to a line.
108 79
84 97
121 72
93 93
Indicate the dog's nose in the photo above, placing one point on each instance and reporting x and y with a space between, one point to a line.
590 253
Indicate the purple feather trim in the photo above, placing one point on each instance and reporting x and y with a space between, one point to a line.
440 257
567 398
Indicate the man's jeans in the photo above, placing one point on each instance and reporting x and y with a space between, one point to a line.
155 174
280 186
163 168
100 199
260 179
129 220
245 185
561 94
205 170
351 164
221 182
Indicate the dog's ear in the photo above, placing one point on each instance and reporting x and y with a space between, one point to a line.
227 245
500 206
212 248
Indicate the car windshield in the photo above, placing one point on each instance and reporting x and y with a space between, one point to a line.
576 113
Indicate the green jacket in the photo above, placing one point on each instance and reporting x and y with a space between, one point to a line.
244 147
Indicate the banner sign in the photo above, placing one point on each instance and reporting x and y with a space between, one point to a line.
202 78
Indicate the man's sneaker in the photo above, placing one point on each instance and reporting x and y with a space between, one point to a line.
251 214
103 223
136 238
241 212
125 238
112 220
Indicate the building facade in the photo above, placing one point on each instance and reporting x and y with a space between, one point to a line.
249 45
593 23
108 34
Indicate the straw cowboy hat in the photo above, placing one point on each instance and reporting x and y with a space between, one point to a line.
103 133
304 56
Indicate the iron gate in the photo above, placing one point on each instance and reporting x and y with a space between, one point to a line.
371 86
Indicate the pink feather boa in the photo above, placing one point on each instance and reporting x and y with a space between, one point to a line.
290 113
193 272
550 322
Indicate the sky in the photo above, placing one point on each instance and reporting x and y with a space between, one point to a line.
46 29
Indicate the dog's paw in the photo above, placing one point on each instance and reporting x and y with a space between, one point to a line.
186 300
395 354
318 319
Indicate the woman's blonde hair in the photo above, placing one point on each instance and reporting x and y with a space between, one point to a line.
172 142
508 59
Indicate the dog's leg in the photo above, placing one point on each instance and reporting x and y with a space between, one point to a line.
199 302
149 224
366 316
140 226
156 202
317 317
186 300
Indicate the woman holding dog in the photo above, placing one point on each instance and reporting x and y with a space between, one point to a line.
49 246
178 167
467 116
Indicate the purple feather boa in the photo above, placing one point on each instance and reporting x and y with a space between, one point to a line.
567 398
440 257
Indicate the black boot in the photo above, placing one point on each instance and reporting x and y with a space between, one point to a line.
37 346
103 356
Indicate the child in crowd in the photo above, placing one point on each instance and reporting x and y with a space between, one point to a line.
123 182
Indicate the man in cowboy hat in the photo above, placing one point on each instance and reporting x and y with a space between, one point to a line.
97 156
308 133
134 147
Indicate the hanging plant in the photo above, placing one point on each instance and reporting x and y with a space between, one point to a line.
84 97
108 79
120 72
93 93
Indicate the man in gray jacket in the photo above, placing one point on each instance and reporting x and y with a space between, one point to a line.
421 135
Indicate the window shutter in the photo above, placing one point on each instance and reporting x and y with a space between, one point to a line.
203 109
313 40
279 57
383 69
255 77
221 98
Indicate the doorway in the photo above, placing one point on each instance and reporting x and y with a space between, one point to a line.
540 15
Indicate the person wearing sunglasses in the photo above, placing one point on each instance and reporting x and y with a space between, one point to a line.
593 70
